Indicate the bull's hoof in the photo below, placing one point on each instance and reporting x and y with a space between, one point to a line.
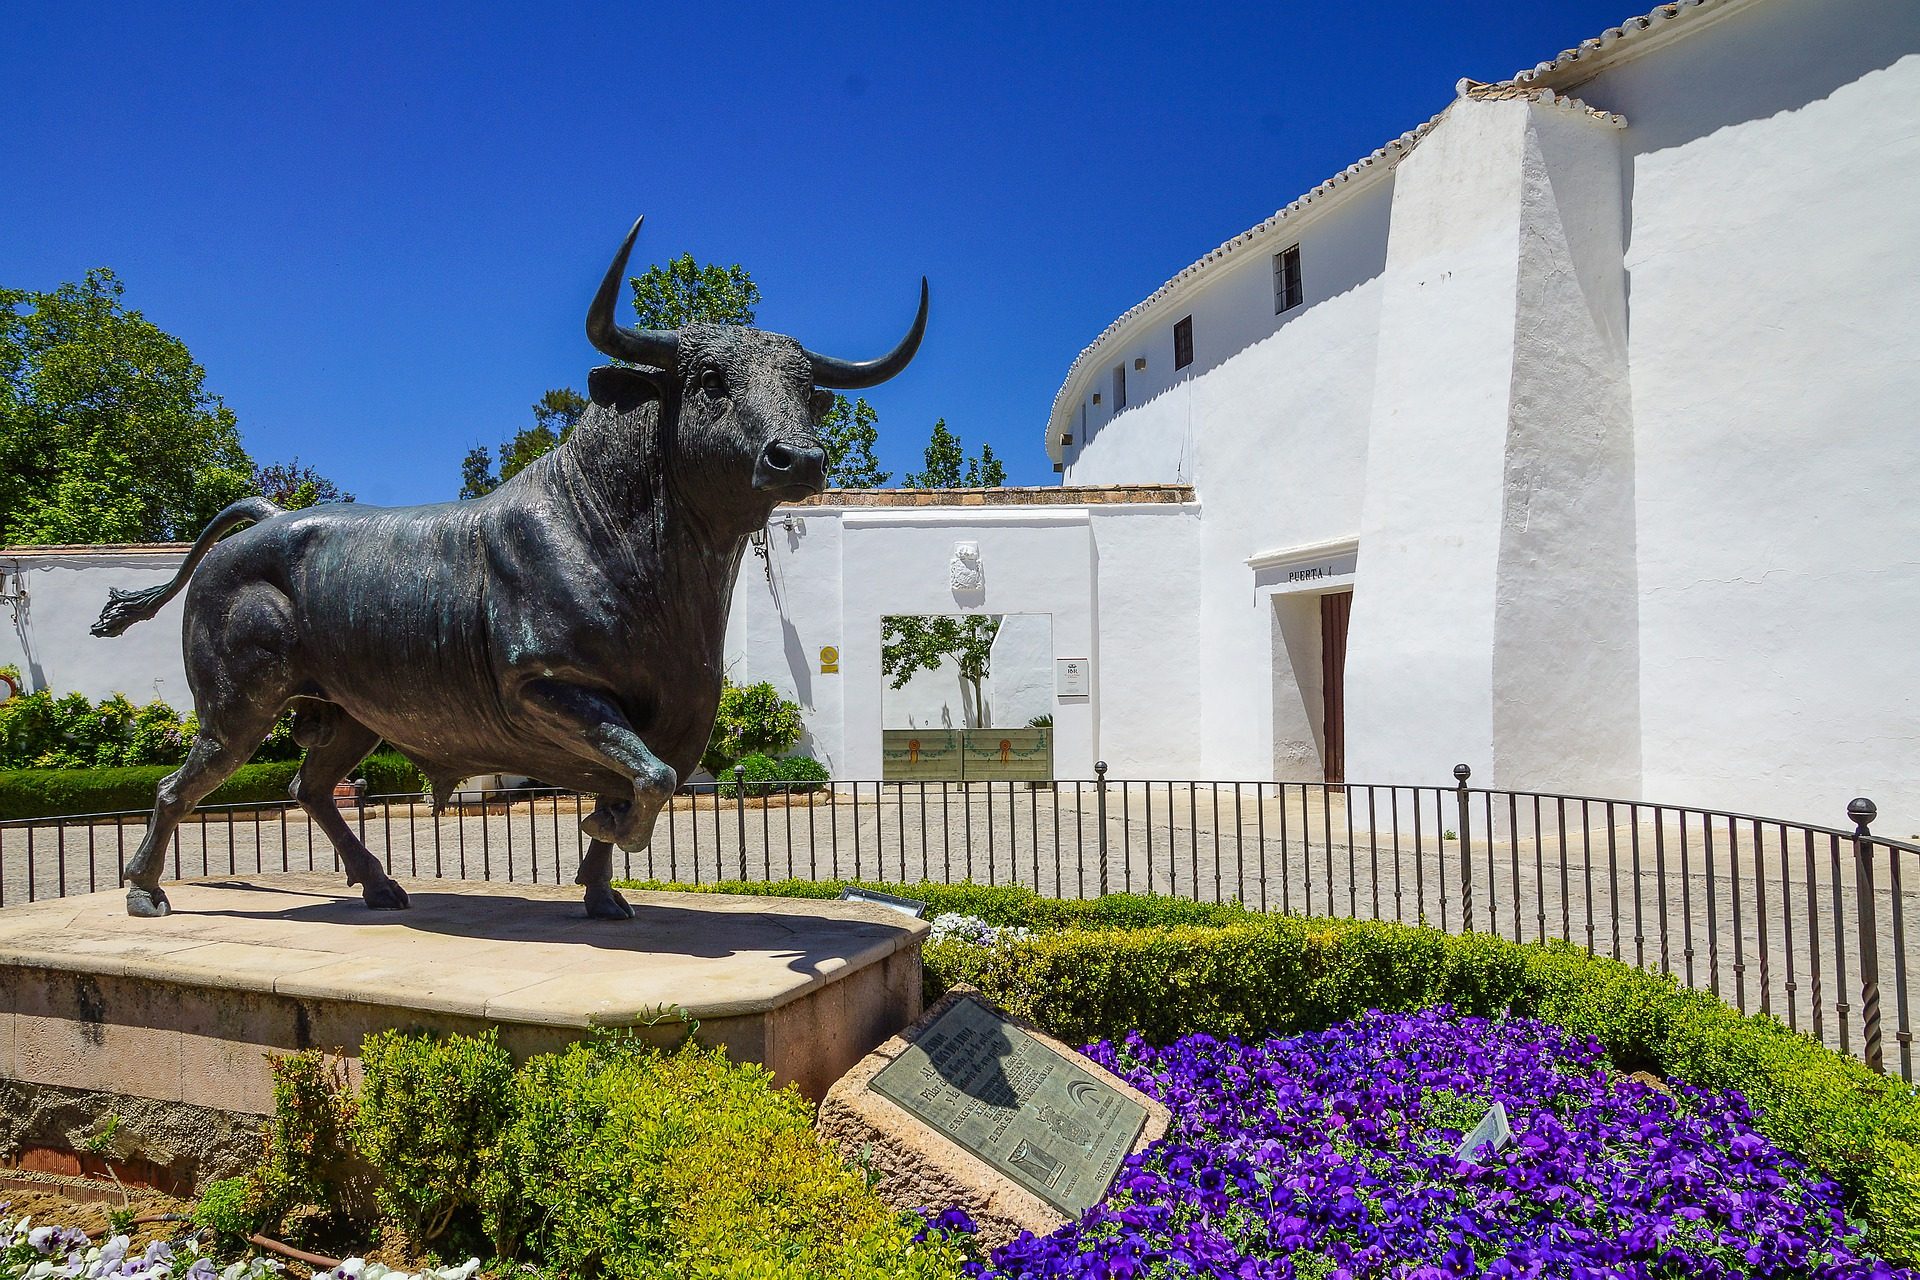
605 903
604 823
625 825
384 895
148 904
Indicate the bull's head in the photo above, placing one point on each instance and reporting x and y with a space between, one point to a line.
749 402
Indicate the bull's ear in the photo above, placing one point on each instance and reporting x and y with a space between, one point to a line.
623 389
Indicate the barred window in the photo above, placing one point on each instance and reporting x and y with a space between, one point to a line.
1183 343
1286 280
1119 387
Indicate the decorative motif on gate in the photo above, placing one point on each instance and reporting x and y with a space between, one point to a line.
971 755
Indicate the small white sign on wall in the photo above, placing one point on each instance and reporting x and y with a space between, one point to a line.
1073 676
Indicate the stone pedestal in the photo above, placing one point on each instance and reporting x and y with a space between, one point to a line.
185 1010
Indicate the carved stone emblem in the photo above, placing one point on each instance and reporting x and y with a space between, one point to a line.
964 573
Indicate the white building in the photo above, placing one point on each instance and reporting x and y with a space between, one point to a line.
1592 398
1597 392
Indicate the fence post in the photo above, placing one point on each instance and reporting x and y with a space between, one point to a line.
1100 794
1863 812
1460 775
740 812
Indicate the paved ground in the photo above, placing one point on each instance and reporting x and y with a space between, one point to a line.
1751 914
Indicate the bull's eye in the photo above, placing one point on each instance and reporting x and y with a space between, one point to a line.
713 382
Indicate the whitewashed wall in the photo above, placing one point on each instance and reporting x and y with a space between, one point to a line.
1772 181
1110 583
53 598
1156 438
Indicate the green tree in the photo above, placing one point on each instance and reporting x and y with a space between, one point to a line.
910 644
849 433
476 473
682 292
949 467
555 415
291 485
107 430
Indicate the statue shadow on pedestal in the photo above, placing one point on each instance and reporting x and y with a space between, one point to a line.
509 917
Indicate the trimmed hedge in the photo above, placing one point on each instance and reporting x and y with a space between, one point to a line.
1167 968
388 773
53 793
999 905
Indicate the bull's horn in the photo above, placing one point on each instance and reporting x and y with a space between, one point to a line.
847 375
659 348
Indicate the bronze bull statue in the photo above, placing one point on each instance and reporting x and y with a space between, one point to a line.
567 626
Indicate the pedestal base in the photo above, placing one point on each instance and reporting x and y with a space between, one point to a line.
186 1009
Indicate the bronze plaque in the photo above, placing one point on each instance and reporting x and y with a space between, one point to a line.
1042 1119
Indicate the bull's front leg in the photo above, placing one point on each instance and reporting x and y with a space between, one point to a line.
587 723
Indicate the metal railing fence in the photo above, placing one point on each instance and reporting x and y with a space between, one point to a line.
1800 921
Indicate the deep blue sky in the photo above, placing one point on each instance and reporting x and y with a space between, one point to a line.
378 226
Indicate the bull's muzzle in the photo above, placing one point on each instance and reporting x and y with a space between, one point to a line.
791 467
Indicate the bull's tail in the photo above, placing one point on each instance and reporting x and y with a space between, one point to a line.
124 608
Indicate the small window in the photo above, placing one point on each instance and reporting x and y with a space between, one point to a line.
1286 280
1183 343
1119 387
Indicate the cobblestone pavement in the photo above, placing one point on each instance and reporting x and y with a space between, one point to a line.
1749 911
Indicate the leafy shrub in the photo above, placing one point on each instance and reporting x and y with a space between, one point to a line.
47 793
626 1162
765 775
802 773
305 1138
41 731
609 1158
230 1208
388 773
751 719
427 1118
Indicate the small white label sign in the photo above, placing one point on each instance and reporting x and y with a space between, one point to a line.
1074 677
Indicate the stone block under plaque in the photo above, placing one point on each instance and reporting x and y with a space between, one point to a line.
972 1108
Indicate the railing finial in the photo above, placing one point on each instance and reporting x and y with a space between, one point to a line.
1863 811
1461 773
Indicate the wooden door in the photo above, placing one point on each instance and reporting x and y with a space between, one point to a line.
1334 611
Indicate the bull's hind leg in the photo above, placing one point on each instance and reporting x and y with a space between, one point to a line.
225 740
335 743
236 649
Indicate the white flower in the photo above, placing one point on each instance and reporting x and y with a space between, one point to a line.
951 926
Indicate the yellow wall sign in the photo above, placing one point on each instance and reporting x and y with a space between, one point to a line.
829 660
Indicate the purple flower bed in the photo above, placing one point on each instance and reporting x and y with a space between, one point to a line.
1331 1155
